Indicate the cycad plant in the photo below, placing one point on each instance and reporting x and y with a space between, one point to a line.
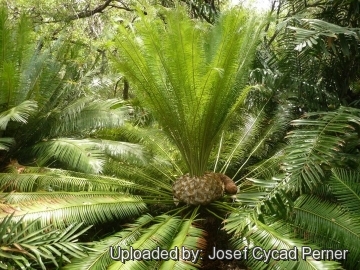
192 77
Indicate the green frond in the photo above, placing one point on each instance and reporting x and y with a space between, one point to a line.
86 114
19 113
345 185
15 42
238 222
16 198
151 175
191 75
24 243
63 210
265 196
251 234
265 169
251 126
328 225
118 149
35 179
153 140
100 257
82 155
254 187
147 233
60 180
312 30
5 143
86 155
191 237
158 235
315 143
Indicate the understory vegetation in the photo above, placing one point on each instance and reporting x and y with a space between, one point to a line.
126 125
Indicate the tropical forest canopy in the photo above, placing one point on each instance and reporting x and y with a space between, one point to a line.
179 127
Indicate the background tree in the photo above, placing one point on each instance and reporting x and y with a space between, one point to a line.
311 53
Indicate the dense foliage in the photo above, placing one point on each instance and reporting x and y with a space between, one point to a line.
105 104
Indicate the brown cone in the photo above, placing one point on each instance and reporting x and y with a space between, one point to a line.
230 186
198 190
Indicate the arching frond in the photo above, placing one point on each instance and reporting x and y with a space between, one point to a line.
191 75
265 169
5 143
24 243
16 198
86 114
345 185
63 210
189 237
314 144
86 155
35 179
102 255
60 181
256 136
328 225
19 113
319 28
125 150
252 235
82 155
257 191
158 235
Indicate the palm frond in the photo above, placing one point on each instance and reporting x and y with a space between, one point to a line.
15 41
190 237
5 143
100 257
159 234
63 210
142 177
316 29
309 149
19 113
251 127
87 155
23 243
60 180
126 150
34 179
257 191
16 198
86 114
251 234
265 169
82 155
190 75
345 185
327 224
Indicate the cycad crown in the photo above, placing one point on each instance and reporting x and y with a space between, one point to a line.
191 76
